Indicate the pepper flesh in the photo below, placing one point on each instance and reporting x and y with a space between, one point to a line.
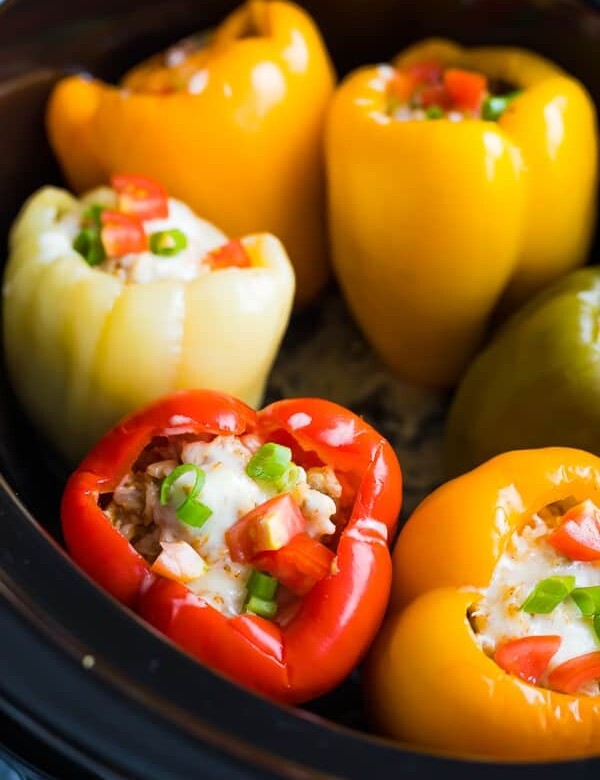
535 383
335 621
245 150
426 680
440 227
104 347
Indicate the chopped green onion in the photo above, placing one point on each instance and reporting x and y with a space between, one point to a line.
289 479
548 594
587 599
434 112
262 585
167 242
88 244
261 594
495 105
83 241
193 512
92 216
166 489
262 607
96 253
271 462
597 626
179 492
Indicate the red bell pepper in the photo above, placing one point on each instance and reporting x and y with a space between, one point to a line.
333 625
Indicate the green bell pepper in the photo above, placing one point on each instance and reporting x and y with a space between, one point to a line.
537 382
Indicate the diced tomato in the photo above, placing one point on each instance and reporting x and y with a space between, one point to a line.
578 535
400 86
299 565
466 89
435 95
571 675
269 526
426 72
527 657
179 561
122 234
231 255
143 197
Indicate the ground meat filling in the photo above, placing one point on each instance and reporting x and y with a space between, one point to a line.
228 493
516 604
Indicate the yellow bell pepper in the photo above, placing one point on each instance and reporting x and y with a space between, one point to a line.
86 344
233 128
438 225
428 681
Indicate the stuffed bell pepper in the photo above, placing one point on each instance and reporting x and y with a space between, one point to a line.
257 541
461 182
230 122
117 298
491 648
537 382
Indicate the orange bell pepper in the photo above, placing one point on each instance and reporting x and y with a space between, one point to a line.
233 128
428 680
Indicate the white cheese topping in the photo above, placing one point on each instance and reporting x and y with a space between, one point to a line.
228 490
231 493
528 559
406 113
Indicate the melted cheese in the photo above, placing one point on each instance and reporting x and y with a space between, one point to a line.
406 113
528 560
228 490
231 493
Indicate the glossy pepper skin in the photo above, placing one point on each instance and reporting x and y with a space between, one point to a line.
103 347
427 682
336 620
244 148
435 225
536 383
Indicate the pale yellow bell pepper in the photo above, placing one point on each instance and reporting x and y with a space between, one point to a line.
439 227
84 347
